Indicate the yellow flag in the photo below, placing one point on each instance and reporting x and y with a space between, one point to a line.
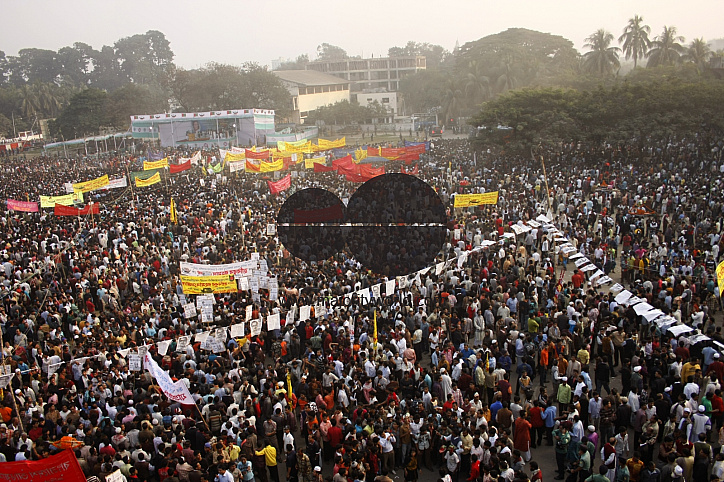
374 337
720 277
172 215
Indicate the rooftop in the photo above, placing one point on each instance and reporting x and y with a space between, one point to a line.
309 77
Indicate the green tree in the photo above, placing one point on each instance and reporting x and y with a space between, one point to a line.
86 114
222 86
698 53
75 64
422 91
144 58
666 48
635 39
602 58
331 52
132 99
34 65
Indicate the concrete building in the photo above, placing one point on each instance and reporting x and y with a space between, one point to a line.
311 89
388 100
371 74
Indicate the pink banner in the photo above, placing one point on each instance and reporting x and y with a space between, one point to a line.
24 206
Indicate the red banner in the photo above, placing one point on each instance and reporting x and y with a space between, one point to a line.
281 185
409 157
416 149
373 152
266 154
323 168
61 210
63 467
392 153
176 168
251 167
369 171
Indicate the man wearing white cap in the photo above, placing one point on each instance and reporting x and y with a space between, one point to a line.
700 423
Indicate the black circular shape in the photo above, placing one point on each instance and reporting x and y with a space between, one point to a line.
397 224
309 224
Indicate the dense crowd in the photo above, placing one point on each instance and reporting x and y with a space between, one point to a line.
462 373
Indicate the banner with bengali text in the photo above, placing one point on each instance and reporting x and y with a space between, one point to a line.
149 165
117 183
325 145
66 200
92 185
467 200
63 467
24 206
309 163
199 285
281 185
155 179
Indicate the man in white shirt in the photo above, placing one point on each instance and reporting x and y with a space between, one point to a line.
388 452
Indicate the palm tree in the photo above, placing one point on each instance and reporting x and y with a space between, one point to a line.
666 48
602 59
48 99
452 98
30 102
477 84
698 53
635 39
507 79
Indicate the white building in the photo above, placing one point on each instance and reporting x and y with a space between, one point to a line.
388 100
311 90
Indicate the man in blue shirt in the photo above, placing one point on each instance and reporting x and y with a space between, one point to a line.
495 406
708 355
549 419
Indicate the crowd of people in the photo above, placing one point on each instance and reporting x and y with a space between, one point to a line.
461 373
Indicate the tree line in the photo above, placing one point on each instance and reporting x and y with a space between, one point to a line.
88 91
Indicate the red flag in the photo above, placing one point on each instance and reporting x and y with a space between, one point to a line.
345 161
323 168
250 166
281 185
176 168
63 467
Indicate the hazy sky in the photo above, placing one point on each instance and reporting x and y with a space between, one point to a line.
241 30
